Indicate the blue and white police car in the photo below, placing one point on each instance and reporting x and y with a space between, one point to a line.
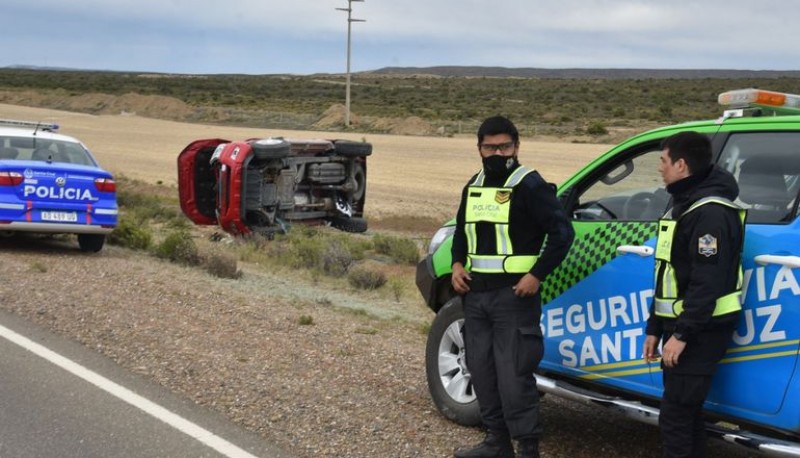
50 183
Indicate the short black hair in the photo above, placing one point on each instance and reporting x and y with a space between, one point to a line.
692 147
497 125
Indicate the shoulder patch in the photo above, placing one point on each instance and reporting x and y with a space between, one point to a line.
707 245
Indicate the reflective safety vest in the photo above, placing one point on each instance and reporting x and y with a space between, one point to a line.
492 205
666 301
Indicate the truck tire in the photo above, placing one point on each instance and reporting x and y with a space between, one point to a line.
271 148
347 224
91 243
347 148
360 177
449 381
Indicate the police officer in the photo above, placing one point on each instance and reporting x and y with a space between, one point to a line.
698 286
506 212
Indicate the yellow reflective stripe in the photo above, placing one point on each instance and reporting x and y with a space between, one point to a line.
729 359
478 179
656 366
472 237
486 264
503 239
672 308
728 303
519 264
502 264
515 178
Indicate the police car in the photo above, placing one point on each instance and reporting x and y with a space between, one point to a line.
596 303
50 183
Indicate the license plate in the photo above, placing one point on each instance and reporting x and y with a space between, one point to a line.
61 217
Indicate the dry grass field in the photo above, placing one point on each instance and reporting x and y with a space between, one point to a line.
407 175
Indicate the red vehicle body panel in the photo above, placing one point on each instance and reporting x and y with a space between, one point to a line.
187 191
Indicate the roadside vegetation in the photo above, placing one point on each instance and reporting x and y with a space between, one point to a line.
450 105
151 221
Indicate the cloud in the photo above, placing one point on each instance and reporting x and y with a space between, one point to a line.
307 36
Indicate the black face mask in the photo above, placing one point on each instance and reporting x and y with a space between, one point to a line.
497 166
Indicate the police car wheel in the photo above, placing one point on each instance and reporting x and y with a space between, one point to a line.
91 243
449 381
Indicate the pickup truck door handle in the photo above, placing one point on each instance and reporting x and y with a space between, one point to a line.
641 250
787 261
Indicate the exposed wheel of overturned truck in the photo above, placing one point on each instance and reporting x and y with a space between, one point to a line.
348 148
449 380
348 224
360 177
271 148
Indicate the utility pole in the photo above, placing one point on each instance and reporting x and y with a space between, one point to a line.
350 21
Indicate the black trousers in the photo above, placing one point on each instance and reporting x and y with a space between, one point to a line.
504 346
681 420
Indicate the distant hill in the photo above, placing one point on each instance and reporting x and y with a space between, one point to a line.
583 73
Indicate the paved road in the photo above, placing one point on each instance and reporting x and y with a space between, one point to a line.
48 411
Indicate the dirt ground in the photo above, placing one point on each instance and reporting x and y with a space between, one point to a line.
407 175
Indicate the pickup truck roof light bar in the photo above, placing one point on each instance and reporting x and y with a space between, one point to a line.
778 102
49 127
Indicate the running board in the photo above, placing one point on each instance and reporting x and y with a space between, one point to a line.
767 445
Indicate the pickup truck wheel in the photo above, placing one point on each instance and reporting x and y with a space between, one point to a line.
360 177
347 148
449 380
91 243
271 148
349 224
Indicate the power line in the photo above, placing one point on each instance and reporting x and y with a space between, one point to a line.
350 21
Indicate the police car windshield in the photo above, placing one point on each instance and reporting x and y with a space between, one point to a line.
46 150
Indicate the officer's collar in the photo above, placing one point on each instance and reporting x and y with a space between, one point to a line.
685 185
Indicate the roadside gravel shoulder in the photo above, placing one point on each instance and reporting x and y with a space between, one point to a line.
352 384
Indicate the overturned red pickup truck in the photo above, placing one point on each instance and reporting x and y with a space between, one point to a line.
264 185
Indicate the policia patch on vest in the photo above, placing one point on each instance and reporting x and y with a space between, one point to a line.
707 246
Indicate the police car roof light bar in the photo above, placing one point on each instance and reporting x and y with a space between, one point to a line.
779 102
52 127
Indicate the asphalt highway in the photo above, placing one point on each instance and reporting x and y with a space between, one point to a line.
59 399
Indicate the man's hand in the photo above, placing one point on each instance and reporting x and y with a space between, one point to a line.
651 348
460 278
528 285
672 351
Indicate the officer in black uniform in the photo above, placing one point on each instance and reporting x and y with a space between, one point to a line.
698 286
506 212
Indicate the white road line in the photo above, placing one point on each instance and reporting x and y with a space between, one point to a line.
181 424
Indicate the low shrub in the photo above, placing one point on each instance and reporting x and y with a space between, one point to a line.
305 320
222 265
336 259
178 247
131 235
400 249
366 276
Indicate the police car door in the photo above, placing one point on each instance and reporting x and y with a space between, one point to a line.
596 302
757 375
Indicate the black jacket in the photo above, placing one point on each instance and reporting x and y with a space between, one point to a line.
535 213
702 278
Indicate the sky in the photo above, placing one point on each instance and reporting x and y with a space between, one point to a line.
310 36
